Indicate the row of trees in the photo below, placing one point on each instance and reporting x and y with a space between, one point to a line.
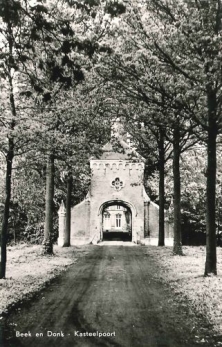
50 112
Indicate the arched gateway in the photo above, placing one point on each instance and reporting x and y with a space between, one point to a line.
117 218
116 204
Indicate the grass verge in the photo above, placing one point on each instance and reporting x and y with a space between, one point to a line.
28 271
185 276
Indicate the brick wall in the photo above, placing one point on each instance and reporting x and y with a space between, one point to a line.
153 219
154 222
80 217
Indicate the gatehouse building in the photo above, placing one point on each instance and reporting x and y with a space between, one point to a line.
117 205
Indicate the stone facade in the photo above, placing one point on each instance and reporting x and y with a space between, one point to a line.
117 180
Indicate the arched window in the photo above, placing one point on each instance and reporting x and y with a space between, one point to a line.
118 220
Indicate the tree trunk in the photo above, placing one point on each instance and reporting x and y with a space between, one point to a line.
9 160
47 242
4 233
68 210
161 188
211 250
177 246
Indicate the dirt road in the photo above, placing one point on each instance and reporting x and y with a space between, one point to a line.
109 291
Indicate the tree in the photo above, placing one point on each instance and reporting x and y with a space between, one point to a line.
10 32
150 142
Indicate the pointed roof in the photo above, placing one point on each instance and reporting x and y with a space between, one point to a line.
122 151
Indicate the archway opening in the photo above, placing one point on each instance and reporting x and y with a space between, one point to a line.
116 222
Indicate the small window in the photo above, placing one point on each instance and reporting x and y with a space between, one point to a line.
106 215
118 220
106 221
118 207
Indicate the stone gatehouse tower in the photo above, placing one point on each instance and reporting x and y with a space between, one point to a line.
116 202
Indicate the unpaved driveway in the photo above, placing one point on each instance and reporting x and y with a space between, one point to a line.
111 291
